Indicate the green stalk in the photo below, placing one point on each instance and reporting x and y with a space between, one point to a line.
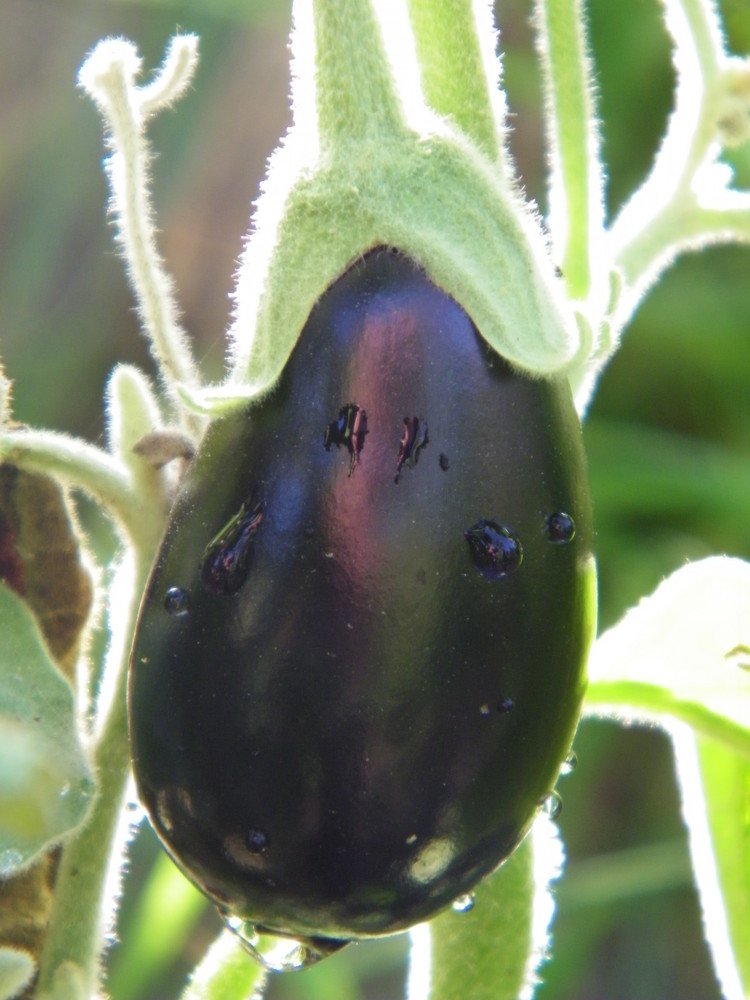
355 94
69 963
575 181
449 53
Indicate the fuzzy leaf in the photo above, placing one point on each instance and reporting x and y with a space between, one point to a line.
684 652
715 786
45 781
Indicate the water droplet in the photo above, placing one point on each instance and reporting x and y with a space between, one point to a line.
569 764
256 841
411 839
10 861
463 903
413 439
484 709
505 706
177 602
226 558
552 805
279 953
348 429
496 550
559 528
443 460
65 790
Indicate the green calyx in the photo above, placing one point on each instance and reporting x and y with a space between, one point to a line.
380 167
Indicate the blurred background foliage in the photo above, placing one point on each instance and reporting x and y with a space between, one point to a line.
668 434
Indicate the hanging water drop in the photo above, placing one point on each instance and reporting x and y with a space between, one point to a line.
277 952
552 805
463 903
569 764
496 550
559 528
505 706
177 602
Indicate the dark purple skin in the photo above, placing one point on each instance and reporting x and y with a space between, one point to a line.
366 726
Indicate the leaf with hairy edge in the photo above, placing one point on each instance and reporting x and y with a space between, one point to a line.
683 653
715 786
493 950
45 781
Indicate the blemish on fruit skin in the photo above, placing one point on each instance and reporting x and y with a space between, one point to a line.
414 438
226 558
348 429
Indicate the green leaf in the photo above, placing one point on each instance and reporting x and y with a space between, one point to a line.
16 969
45 781
684 653
715 785
492 951
226 973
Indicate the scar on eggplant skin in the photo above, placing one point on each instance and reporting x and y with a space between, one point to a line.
349 429
413 439
226 558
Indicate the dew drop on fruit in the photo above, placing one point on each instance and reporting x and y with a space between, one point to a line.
463 903
226 558
559 528
484 709
256 841
569 764
177 602
278 953
505 706
496 550
552 805
413 439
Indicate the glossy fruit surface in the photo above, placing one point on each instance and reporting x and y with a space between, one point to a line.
361 655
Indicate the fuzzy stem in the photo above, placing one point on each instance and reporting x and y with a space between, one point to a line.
108 75
451 64
355 92
74 937
576 212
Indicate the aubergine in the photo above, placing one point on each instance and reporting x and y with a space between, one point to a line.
360 657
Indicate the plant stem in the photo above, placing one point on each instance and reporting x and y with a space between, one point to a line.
78 918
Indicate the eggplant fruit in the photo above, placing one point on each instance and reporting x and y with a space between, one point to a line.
360 658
